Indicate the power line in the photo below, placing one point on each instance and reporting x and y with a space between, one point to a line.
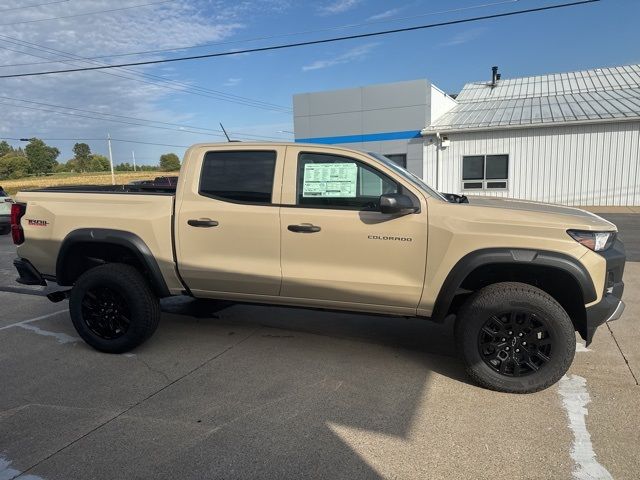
181 127
138 124
33 6
280 35
86 13
307 43
97 139
148 143
77 115
166 83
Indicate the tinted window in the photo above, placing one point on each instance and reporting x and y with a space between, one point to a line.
473 167
340 182
238 176
485 168
497 167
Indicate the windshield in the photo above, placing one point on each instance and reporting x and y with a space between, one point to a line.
417 181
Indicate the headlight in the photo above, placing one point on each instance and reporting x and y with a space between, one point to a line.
596 241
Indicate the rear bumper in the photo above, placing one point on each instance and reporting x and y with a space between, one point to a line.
28 275
611 306
5 220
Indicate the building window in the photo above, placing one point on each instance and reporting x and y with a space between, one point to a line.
398 158
238 176
485 172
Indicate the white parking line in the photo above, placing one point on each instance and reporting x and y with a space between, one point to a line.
25 322
61 337
581 347
575 397
8 473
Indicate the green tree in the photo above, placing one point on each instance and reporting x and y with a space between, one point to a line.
42 157
5 148
124 167
99 163
82 153
169 162
13 166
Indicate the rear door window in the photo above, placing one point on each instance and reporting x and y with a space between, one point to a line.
244 176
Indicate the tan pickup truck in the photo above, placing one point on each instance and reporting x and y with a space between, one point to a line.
332 228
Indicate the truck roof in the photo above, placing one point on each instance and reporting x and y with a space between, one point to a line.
274 144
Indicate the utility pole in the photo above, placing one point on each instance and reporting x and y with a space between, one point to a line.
133 155
113 176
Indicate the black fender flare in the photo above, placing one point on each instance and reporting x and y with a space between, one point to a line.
128 240
502 256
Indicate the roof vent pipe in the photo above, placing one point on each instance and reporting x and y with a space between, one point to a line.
495 76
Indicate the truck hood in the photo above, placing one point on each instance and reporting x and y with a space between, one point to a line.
573 216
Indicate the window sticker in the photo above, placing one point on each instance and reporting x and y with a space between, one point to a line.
330 180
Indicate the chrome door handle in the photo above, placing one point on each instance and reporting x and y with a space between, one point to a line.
304 228
202 222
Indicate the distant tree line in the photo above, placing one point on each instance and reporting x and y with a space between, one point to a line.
38 158
127 167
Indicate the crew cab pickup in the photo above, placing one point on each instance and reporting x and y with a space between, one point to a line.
326 227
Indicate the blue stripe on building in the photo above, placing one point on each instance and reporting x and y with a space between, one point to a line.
367 137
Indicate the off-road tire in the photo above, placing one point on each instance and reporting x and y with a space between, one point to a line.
494 300
135 296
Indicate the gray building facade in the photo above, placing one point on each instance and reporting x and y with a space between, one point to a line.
385 119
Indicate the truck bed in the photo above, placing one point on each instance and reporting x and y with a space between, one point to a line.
52 213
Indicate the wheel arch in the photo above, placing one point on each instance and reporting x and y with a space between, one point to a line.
87 247
560 275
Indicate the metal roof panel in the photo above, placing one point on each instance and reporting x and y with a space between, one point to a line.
601 93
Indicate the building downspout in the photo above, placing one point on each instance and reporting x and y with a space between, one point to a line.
438 161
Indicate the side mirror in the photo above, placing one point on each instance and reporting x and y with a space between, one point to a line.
396 203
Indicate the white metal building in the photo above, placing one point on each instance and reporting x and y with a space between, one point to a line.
571 138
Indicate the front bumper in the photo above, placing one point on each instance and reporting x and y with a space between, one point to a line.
611 306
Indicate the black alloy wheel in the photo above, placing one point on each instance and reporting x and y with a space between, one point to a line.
106 313
113 308
514 337
516 343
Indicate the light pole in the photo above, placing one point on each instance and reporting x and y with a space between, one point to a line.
113 176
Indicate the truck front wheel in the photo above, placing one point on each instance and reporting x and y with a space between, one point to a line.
113 308
514 338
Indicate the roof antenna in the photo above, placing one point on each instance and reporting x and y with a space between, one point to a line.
225 134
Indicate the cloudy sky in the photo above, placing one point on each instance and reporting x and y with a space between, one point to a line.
168 106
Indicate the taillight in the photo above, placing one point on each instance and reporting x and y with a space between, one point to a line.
17 212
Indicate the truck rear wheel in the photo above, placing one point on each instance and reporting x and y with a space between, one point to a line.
113 308
515 338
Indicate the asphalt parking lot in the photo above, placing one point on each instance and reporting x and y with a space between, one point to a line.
265 392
